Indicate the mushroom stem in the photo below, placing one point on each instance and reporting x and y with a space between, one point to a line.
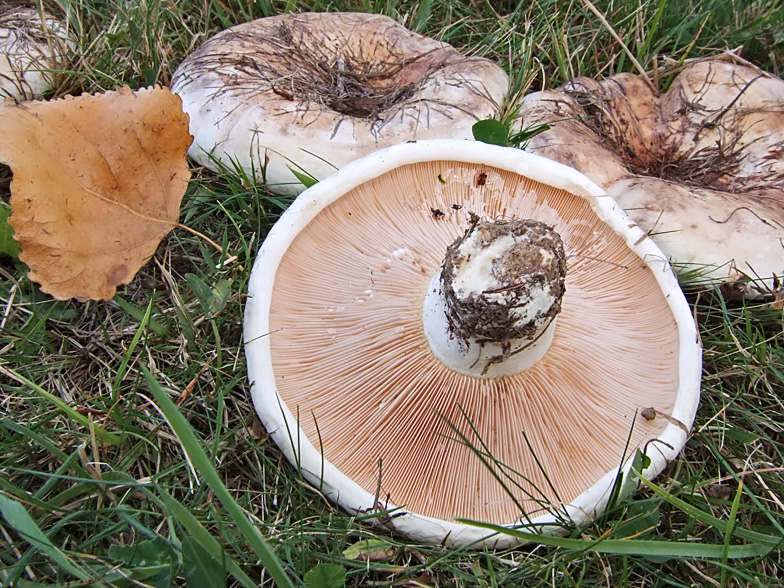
491 309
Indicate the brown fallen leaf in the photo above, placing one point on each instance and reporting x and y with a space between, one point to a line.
98 181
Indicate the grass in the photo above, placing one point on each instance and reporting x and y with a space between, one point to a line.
98 484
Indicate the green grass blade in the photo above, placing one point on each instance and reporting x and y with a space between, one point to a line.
730 529
72 413
643 53
197 531
770 541
204 466
33 437
18 518
646 548
139 314
8 244
304 178
126 359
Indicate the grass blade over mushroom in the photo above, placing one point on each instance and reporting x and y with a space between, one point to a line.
759 544
666 549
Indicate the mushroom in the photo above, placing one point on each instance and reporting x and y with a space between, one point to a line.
298 95
408 306
699 168
32 46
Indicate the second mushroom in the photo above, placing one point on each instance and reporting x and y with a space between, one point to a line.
295 96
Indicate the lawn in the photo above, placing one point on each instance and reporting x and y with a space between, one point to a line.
130 452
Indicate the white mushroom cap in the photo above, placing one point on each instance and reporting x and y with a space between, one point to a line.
342 374
32 45
700 168
314 91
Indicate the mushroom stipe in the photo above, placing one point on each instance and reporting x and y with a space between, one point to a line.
346 328
499 289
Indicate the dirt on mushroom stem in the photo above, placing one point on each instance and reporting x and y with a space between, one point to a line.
486 317
501 286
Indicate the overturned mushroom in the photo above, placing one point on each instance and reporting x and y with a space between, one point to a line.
306 93
33 46
699 168
366 345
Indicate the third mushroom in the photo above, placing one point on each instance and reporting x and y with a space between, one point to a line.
699 167
445 294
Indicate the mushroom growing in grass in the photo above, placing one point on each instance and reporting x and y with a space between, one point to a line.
699 168
291 98
441 294
33 45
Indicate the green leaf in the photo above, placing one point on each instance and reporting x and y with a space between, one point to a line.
8 244
200 290
491 131
144 553
150 76
201 569
212 300
741 435
304 178
154 562
370 550
522 136
325 575
220 296
17 517
156 576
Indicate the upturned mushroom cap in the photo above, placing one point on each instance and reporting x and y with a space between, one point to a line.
700 168
32 45
345 380
311 92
